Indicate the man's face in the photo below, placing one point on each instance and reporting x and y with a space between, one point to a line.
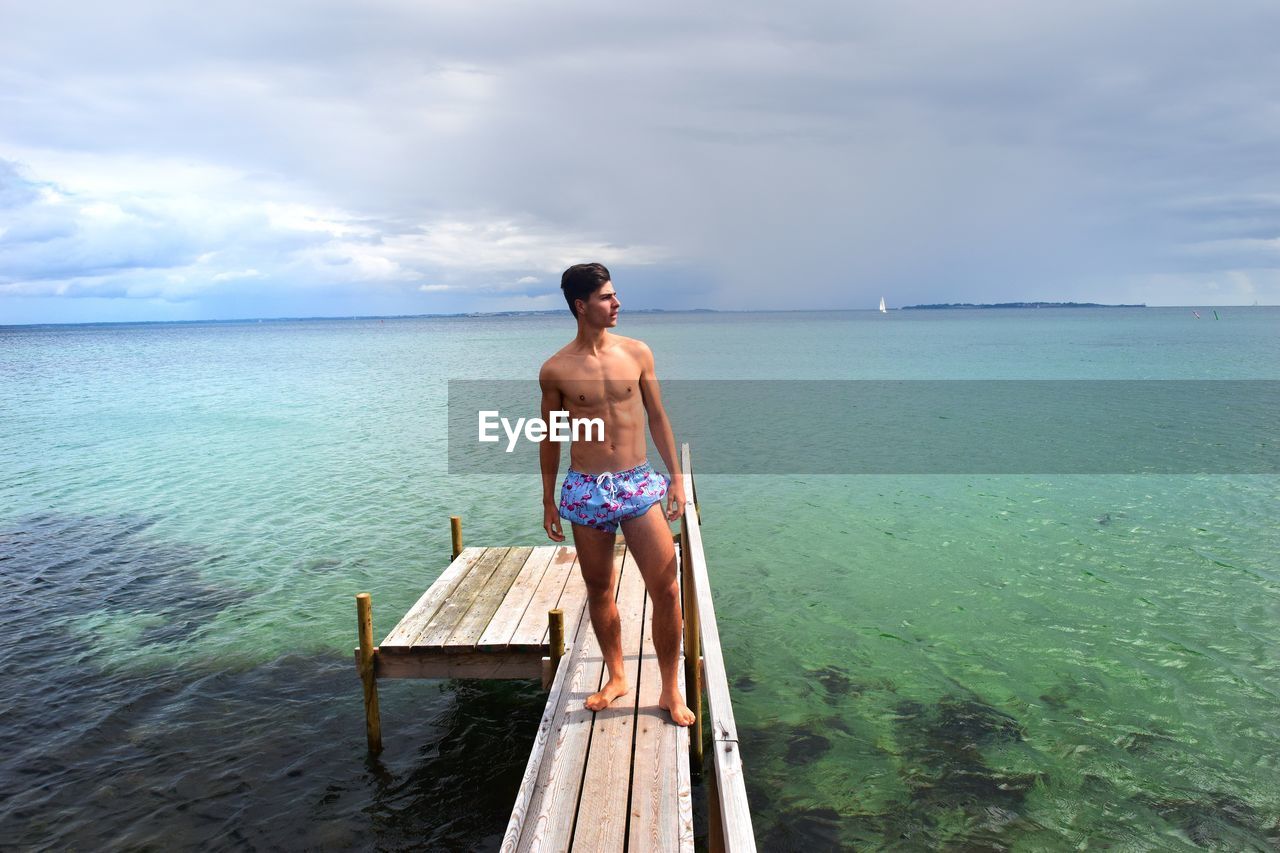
601 307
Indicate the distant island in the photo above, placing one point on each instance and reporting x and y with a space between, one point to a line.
1017 305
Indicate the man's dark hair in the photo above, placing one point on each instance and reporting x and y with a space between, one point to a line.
581 280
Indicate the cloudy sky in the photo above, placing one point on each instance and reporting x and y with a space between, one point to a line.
184 161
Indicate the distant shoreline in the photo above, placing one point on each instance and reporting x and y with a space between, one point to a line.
477 315
1015 305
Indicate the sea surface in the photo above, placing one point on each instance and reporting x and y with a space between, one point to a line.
960 661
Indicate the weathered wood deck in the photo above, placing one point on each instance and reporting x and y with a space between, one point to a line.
607 780
614 780
486 616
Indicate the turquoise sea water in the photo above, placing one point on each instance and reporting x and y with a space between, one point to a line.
1010 662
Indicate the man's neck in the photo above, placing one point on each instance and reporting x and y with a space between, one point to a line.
591 338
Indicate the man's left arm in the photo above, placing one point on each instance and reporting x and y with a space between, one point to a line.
660 429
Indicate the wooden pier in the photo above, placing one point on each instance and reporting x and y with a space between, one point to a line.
613 780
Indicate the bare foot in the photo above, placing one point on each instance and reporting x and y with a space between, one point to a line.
612 690
674 705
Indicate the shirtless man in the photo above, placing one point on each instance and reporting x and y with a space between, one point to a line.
609 483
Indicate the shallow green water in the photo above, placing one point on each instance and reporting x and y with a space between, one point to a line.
1025 662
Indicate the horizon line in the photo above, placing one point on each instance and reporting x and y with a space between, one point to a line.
956 306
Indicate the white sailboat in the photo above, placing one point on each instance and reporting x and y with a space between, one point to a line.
882 308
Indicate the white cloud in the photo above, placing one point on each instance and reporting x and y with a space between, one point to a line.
226 276
542 302
94 240
300 217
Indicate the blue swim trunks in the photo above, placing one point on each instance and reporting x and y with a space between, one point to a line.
601 501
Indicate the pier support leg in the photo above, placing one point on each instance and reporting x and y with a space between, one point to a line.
372 719
715 824
555 619
455 528
692 649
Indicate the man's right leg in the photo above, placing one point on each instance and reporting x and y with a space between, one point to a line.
595 559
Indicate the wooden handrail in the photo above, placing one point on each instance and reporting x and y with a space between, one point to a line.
734 811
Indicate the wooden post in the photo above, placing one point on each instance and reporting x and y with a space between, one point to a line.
692 497
715 823
692 647
372 719
556 620
455 527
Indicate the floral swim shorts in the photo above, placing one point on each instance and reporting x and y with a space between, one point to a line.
603 500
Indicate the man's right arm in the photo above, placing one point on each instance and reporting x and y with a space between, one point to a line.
549 456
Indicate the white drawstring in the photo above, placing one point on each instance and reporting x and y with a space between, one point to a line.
613 487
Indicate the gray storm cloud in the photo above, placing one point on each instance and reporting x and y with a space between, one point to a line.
453 157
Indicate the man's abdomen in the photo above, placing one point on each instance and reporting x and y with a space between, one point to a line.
623 446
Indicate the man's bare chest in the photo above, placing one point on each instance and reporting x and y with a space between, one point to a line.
600 393
601 383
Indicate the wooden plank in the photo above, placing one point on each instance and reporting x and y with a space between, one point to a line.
548 823
471 626
602 806
534 777
415 621
661 797
735 811
531 632
469 665
720 709
684 784
459 601
513 606
555 801
692 645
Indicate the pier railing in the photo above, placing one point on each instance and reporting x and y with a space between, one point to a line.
729 813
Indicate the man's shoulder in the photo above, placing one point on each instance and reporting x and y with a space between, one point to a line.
633 346
554 366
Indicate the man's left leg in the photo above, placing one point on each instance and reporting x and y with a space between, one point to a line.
649 540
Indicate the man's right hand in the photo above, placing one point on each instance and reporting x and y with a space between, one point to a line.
551 523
